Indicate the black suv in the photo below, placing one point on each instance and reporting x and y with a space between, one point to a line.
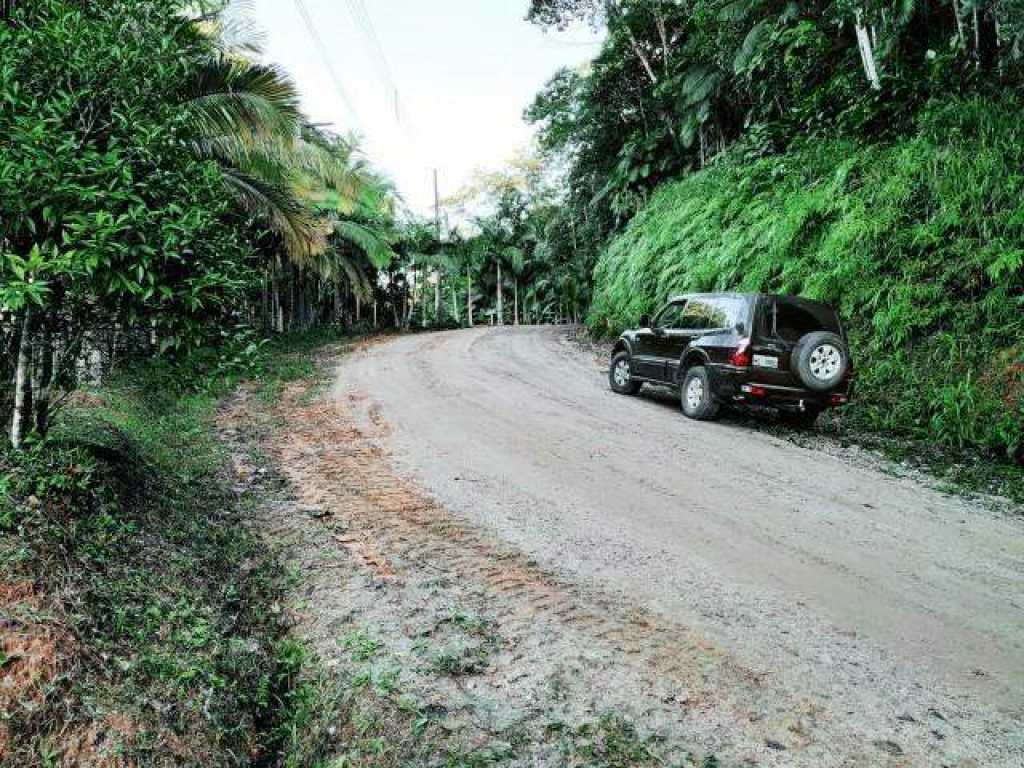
720 349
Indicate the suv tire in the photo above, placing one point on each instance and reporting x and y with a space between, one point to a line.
695 395
820 360
620 378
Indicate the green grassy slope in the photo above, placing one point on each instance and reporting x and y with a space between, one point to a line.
142 621
919 243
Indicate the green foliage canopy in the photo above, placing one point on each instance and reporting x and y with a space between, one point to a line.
117 220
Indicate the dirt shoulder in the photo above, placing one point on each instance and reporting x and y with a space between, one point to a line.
458 641
436 643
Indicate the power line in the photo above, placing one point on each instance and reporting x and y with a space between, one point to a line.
365 24
326 58
379 60
365 28
372 42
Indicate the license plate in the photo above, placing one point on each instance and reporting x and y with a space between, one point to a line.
766 361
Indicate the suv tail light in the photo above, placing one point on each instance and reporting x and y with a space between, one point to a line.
741 357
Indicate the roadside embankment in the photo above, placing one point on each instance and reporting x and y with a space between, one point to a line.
919 243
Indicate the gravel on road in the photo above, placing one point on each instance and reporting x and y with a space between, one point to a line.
827 611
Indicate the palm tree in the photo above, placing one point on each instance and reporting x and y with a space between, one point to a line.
516 261
332 215
245 116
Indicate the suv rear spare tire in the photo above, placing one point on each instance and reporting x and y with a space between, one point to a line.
820 360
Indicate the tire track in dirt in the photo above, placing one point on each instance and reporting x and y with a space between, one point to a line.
331 451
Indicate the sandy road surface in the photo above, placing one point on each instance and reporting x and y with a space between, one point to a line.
891 611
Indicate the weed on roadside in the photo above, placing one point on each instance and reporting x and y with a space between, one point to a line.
361 645
460 644
614 742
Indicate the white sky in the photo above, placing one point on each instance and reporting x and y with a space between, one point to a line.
465 71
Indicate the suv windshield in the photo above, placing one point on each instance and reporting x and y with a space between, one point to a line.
789 319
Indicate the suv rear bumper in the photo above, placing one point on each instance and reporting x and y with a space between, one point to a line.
739 386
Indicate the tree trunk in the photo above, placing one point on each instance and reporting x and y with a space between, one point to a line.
961 43
515 301
291 300
45 382
277 321
410 302
867 54
437 296
643 58
264 320
455 304
375 313
501 314
469 297
423 303
22 382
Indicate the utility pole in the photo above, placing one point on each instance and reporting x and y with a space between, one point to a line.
437 207
437 272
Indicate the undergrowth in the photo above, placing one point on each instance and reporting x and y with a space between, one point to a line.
141 619
920 244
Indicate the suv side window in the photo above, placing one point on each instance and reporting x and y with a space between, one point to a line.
669 317
699 315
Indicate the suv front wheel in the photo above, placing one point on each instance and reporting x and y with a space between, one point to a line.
696 396
620 377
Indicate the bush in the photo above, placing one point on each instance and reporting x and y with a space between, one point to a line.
920 244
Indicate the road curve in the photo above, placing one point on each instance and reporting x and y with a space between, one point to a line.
887 601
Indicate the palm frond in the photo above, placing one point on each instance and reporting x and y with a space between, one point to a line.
301 233
376 248
358 281
515 259
231 97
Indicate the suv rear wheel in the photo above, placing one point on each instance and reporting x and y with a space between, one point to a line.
695 395
620 377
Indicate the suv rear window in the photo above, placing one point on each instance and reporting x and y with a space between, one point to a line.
790 319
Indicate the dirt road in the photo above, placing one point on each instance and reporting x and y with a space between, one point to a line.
828 612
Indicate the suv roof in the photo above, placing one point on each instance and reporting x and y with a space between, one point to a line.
748 295
737 294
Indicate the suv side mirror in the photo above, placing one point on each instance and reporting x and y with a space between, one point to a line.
645 321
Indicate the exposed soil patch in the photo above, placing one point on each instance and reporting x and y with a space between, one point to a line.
34 651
